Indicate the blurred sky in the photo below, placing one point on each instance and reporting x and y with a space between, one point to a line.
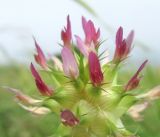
20 19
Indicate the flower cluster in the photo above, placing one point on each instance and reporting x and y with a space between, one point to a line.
84 93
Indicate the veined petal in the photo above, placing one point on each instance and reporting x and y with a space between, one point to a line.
66 34
42 87
70 66
39 57
96 74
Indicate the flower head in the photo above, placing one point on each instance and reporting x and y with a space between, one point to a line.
39 57
66 34
134 81
123 46
95 71
70 66
68 118
90 102
42 87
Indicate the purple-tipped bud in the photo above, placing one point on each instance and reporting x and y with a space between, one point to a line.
66 34
95 71
68 118
70 66
123 46
39 57
42 87
134 81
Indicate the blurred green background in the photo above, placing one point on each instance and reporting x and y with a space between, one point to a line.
16 122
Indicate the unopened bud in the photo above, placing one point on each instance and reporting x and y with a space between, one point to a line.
68 118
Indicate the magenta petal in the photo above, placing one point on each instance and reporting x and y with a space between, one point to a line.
98 33
96 74
134 81
119 36
35 73
42 87
81 46
68 31
141 68
130 38
84 22
66 34
68 118
123 46
94 35
70 66
40 58
88 32
91 35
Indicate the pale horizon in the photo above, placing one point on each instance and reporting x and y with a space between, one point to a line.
20 19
